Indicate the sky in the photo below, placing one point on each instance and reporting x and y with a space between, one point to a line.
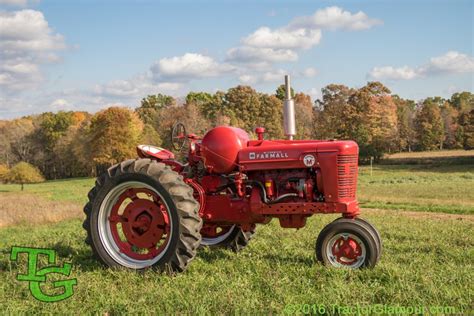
86 55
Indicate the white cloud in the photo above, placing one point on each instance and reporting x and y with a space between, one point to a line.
118 88
169 86
187 67
247 79
310 72
60 104
389 72
334 18
451 62
246 54
27 31
283 39
274 76
283 44
18 3
26 42
315 94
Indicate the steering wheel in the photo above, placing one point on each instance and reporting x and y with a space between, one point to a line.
178 136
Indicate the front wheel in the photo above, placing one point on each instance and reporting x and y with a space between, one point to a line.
348 243
141 214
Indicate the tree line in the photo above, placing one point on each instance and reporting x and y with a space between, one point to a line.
77 144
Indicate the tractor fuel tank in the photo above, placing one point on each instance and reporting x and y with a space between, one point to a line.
220 148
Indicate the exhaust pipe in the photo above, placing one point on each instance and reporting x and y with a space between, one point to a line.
289 111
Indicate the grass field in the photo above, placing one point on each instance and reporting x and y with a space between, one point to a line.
433 154
430 188
427 259
439 157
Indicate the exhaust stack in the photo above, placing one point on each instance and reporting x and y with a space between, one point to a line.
289 111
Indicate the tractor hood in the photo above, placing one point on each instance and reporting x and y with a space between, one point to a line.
290 154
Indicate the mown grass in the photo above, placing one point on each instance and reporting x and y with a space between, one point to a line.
427 258
426 262
434 188
73 190
432 154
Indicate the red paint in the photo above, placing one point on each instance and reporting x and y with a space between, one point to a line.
220 148
299 178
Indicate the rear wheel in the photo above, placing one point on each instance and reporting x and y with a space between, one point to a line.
225 236
141 214
348 243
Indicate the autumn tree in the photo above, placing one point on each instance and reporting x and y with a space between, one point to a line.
304 116
405 117
150 136
194 119
3 172
16 141
463 101
271 116
467 123
280 92
452 136
23 173
332 112
242 105
372 117
429 125
114 134
151 105
70 157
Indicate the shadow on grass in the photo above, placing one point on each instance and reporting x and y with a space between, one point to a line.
291 259
81 259
216 254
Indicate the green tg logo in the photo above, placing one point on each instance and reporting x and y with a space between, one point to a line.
36 277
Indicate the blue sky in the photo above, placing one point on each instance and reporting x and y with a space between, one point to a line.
87 55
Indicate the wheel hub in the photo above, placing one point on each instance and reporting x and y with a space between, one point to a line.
143 223
347 250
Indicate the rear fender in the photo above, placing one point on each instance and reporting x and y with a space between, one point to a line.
160 154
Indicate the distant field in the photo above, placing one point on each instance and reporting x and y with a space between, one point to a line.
441 157
432 154
433 188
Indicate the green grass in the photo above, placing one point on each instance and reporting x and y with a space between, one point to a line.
434 188
74 190
426 262
427 258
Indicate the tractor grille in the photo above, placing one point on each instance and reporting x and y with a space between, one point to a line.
347 175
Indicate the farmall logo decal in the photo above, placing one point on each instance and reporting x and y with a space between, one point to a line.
268 155
309 160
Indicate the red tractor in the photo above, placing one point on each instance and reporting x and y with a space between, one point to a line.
155 211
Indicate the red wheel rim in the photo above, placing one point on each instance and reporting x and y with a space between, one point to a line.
346 250
139 224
